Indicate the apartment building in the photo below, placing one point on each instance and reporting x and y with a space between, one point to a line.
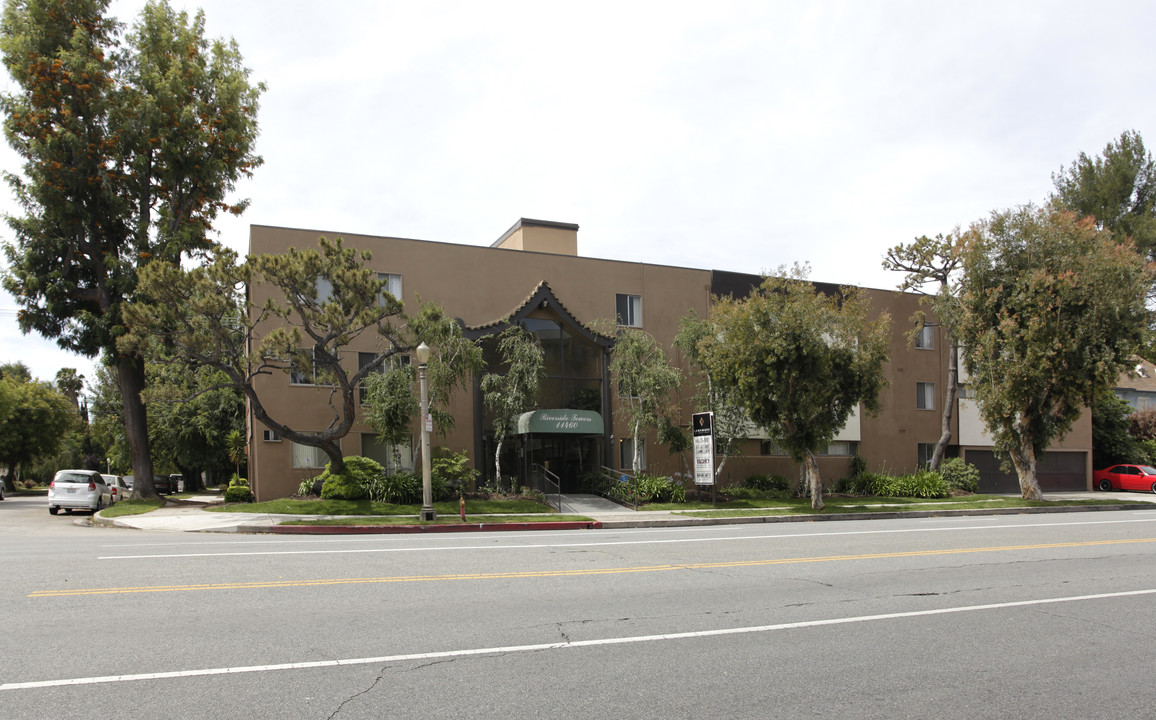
533 275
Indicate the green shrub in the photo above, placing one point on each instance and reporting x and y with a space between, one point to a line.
767 482
960 475
353 482
452 471
750 493
648 488
361 470
223 487
404 488
923 484
238 493
858 466
310 486
340 486
236 481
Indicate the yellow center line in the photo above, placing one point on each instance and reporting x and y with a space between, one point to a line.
568 573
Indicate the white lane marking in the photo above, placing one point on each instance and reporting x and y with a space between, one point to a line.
607 543
385 659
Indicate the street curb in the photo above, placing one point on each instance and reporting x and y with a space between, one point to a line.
399 529
890 515
634 523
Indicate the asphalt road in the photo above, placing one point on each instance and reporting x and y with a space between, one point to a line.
993 617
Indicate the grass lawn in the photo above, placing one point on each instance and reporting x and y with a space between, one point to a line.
441 520
131 507
289 506
842 505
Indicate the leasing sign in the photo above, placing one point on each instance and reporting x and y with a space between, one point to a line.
702 428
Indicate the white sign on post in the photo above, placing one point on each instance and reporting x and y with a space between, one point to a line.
702 428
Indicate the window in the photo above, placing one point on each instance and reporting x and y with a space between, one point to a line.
306 456
324 290
842 448
629 310
925 338
271 436
966 392
303 375
925 395
392 284
926 450
770 447
626 454
388 455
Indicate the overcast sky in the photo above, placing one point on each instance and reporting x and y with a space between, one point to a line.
727 135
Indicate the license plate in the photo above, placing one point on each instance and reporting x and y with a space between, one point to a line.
71 490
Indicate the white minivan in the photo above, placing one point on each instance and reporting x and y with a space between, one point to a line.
78 490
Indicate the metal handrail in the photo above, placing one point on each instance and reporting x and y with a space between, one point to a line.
550 482
615 476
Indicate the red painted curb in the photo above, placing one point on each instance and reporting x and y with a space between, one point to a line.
398 529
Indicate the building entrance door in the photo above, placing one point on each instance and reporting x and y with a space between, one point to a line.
570 458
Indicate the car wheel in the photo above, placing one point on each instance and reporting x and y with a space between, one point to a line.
1105 484
53 510
99 505
1154 487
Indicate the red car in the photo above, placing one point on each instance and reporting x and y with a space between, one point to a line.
1126 477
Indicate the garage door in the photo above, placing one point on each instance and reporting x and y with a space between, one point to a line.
1057 472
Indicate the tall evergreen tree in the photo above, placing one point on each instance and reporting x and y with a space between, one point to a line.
130 146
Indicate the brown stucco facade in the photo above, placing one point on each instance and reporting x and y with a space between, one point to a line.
539 261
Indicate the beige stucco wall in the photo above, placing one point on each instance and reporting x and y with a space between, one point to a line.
481 285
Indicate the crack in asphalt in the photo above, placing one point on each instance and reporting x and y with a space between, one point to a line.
354 696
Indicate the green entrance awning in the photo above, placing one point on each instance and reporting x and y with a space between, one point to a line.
559 422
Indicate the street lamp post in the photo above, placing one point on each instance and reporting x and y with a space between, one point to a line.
427 511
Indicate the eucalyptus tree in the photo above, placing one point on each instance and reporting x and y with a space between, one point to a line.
799 361
512 390
130 144
645 383
1050 310
731 425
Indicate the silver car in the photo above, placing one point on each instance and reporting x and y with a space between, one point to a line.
119 488
78 490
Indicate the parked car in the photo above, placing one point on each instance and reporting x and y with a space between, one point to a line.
1126 477
78 489
119 488
161 484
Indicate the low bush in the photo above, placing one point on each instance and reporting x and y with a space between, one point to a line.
236 481
452 471
353 482
749 493
960 475
404 488
923 484
767 483
648 488
310 487
339 486
238 493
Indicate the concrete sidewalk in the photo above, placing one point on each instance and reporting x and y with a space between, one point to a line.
603 514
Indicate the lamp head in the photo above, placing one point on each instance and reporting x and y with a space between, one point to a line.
422 353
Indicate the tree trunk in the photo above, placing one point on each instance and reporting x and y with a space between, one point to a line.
634 464
336 460
814 480
498 464
1023 457
130 374
948 404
